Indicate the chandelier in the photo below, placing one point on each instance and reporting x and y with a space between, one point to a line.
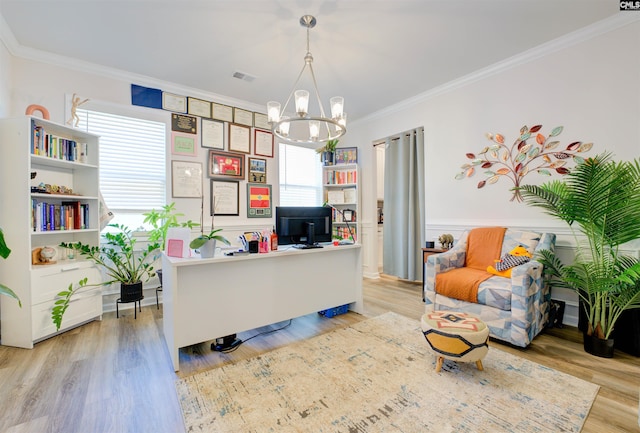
303 127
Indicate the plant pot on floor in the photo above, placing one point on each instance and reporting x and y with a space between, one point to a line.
130 293
598 346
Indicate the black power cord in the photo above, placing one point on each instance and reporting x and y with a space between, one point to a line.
231 347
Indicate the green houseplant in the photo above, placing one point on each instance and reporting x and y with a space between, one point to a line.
161 220
206 243
122 261
600 201
4 253
327 152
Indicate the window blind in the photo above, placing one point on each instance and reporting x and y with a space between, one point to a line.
132 160
300 176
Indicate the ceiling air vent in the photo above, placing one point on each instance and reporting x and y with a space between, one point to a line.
243 76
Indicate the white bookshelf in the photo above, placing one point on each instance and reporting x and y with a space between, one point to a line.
340 189
38 284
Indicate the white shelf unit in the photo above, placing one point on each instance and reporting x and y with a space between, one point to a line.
340 190
38 284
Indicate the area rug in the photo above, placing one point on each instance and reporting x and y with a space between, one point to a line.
379 376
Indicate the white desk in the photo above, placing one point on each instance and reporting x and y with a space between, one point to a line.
204 299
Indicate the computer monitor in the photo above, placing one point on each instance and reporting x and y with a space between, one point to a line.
307 225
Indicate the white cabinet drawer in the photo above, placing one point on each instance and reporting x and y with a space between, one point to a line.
83 307
48 281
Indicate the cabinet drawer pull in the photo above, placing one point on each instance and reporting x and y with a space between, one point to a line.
70 268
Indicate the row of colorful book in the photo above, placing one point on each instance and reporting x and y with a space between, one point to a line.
71 215
342 232
45 144
340 177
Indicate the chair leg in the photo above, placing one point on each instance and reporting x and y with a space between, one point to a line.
117 311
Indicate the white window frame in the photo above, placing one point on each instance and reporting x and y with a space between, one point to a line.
293 193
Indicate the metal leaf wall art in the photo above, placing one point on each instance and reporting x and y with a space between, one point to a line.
544 157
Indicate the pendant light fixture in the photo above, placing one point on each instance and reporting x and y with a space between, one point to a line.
303 127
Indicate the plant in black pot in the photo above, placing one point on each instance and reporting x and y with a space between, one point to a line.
327 152
122 260
600 201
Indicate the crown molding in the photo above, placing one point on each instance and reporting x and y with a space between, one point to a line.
614 22
18 50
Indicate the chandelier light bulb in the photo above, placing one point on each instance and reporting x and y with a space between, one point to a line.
337 107
314 130
273 111
302 102
284 126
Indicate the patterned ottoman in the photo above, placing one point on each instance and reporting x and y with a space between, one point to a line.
456 336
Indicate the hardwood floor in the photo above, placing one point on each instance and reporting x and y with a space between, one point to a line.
116 375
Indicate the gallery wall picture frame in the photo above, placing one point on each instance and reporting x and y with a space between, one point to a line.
183 144
257 170
225 197
226 164
221 112
186 179
258 200
242 117
239 138
199 107
261 121
212 134
263 143
346 155
175 103
184 123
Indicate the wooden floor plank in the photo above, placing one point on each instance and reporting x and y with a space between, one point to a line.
115 375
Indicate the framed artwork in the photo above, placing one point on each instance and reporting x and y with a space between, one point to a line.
261 121
198 107
212 132
183 144
186 179
184 123
242 117
258 200
221 112
226 164
263 143
346 155
257 170
171 102
239 138
225 197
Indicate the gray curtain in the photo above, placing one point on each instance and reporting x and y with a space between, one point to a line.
403 230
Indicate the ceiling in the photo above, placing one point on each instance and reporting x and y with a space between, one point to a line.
374 53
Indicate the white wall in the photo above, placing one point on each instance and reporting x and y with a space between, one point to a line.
5 80
591 88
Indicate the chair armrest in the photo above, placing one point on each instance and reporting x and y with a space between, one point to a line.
439 263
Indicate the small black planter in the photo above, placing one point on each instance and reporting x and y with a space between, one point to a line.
598 346
327 158
130 293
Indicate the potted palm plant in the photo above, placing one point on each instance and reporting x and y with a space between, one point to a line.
600 201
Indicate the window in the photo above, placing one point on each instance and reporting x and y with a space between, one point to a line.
132 163
300 176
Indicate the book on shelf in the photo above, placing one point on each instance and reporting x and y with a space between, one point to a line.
52 146
340 177
68 215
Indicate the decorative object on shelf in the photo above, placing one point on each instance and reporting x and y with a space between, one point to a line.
515 162
327 152
446 241
4 253
600 201
74 119
305 128
346 155
47 254
34 107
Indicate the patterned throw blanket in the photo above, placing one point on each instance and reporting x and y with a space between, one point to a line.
483 246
